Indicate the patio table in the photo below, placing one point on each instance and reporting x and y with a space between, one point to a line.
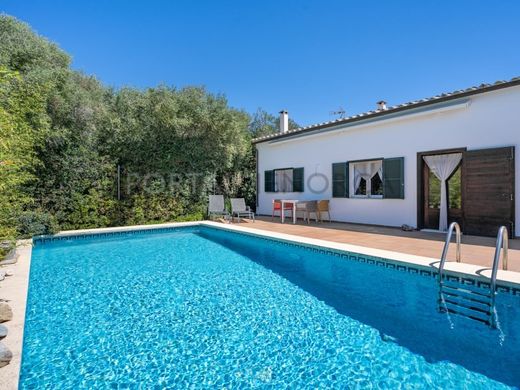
293 203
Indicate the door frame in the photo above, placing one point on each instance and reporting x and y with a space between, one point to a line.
420 183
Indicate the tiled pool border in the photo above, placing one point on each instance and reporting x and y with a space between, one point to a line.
391 264
48 239
423 266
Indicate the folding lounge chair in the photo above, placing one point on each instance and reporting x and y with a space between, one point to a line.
239 209
216 207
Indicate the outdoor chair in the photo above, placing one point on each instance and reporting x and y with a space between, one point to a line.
307 208
323 207
239 209
216 207
277 207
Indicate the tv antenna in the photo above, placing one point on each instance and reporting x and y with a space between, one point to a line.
340 112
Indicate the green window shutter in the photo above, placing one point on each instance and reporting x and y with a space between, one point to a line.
298 180
340 180
393 178
269 181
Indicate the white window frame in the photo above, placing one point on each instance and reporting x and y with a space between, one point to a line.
352 178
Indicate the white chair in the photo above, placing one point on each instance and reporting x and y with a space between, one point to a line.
239 209
216 207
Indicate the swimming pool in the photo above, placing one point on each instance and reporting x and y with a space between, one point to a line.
208 307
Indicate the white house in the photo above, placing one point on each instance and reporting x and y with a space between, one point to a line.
389 166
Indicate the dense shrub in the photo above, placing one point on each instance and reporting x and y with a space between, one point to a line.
63 136
33 223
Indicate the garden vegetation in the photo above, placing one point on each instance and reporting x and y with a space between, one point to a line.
76 154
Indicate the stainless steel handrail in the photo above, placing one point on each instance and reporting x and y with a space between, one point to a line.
501 246
453 226
505 248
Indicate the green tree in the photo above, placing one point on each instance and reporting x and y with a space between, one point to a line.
23 125
75 182
64 135
262 123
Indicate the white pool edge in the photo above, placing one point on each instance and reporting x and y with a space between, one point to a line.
14 289
506 278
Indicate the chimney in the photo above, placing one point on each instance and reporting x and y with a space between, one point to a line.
284 121
381 105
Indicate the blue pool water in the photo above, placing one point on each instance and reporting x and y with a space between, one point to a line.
204 307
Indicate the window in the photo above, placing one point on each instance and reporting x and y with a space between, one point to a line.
376 185
284 180
378 178
367 179
361 189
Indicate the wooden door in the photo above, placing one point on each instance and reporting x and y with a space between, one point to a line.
489 180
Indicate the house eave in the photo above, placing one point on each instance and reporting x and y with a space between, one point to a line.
438 108
390 113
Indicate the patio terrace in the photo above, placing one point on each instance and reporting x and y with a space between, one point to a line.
475 250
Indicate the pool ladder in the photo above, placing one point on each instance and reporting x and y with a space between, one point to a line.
472 301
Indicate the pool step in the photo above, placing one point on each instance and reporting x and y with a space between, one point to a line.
469 313
470 289
466 300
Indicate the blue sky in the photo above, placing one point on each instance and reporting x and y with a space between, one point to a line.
309 57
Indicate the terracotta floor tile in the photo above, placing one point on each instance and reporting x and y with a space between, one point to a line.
475 250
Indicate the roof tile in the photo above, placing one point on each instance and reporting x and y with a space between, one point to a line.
447 95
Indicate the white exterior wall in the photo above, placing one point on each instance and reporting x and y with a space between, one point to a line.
491 120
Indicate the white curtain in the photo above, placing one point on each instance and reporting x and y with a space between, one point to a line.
443 166
367 170
283 179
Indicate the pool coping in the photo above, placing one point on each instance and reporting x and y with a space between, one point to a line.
14 289
16 286
505 278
